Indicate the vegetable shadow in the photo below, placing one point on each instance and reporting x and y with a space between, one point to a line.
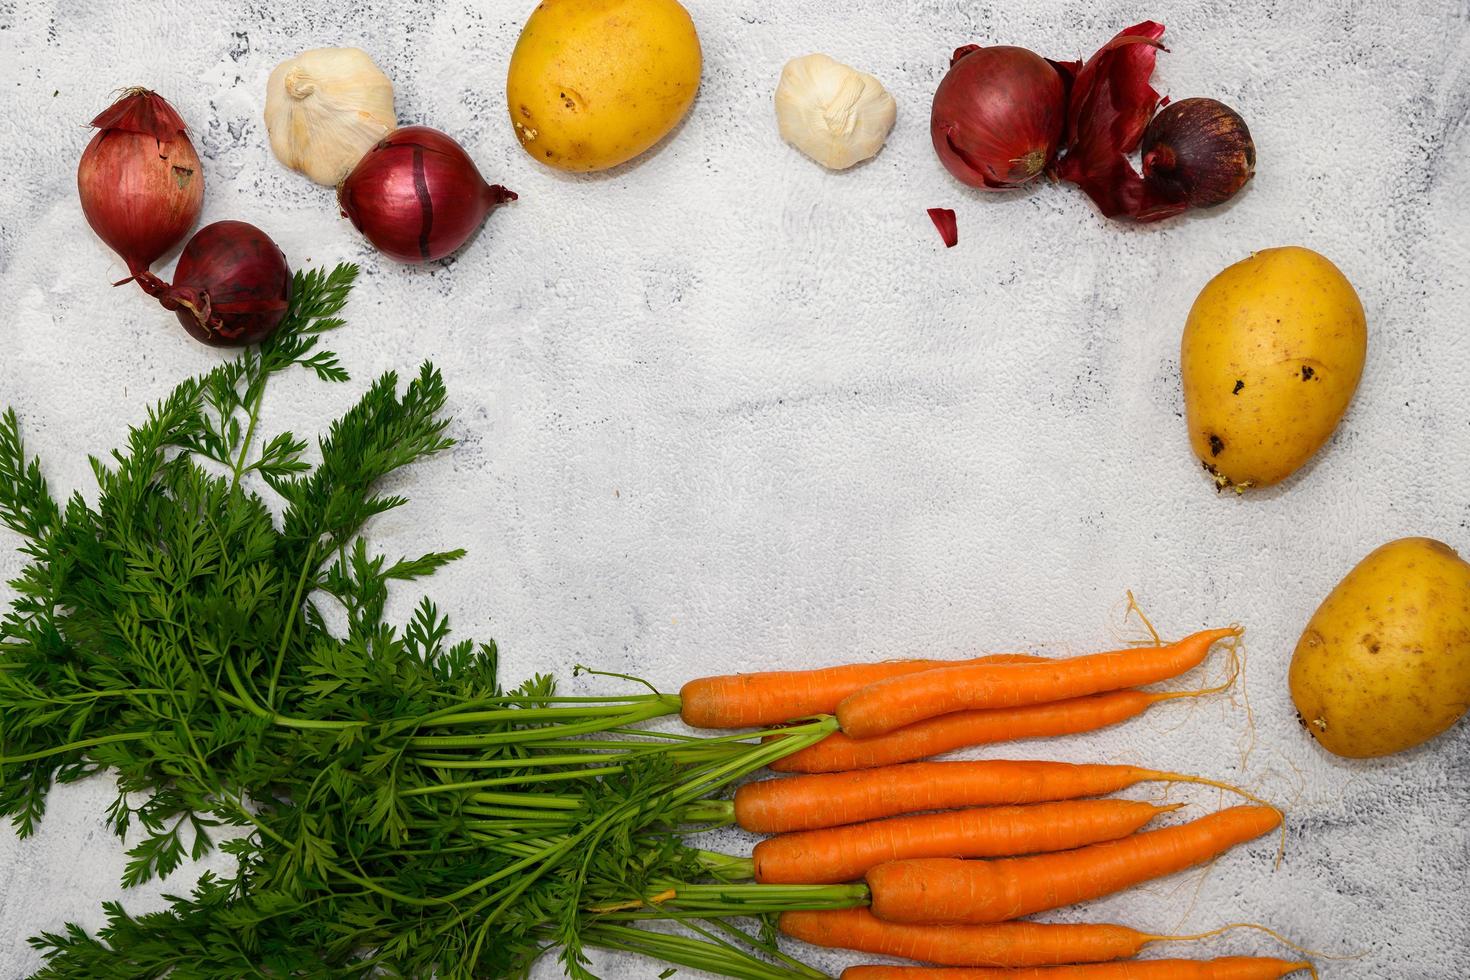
627 166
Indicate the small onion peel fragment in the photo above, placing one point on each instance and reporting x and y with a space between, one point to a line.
944 220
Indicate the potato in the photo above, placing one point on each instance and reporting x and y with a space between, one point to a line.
1384 663
1272 353
594 83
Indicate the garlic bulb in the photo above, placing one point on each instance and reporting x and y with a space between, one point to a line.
834 114
325 108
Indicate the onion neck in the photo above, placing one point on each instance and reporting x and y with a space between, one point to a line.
212 320
496 195
196 301
1160 157
174 298
148 282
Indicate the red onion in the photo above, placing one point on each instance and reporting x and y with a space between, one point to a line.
231 288
417 195
997 116
1197 151
139 179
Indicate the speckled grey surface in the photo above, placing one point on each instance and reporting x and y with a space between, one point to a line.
721 408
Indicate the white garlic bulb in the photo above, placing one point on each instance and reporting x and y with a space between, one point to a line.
834 114
325 108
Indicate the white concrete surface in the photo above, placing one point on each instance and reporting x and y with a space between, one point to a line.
722 408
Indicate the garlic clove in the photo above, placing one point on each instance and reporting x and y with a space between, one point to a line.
834 114
325 108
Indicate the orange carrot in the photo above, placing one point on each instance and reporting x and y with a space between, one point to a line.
835 854
777 806
898 701
1000 944
1225 968
772 697
839 751
1003 944
943 890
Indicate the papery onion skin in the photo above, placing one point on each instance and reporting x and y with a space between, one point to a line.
139 179
1110 105
1198 151
232 285
417 195
997 117
945 224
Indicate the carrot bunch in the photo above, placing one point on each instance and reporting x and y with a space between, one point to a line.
952 851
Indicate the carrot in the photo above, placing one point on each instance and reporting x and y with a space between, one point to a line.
772 697
898 701
818 857
777 806
1003 944
1225 968
1000 944
942 890
839 751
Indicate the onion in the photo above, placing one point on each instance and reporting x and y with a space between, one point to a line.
139 179
997 116
1197 151
417 196
231 288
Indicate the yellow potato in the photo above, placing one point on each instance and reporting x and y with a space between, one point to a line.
1271 356
1384 663
594 83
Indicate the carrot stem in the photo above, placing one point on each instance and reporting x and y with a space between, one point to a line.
719 959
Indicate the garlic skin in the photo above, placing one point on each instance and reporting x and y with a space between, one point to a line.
834 114
325 108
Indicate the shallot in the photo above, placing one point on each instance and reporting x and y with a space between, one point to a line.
139 179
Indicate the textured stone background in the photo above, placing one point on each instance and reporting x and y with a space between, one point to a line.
722 408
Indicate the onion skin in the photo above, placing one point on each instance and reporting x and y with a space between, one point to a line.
1111 103
417 195
997 117
139 179
1198 151
945 224
231 288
